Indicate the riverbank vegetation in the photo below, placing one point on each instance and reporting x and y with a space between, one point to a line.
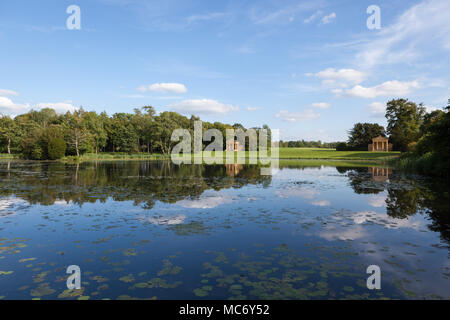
429 153
46 135
421 139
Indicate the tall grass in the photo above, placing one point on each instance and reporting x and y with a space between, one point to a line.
428 164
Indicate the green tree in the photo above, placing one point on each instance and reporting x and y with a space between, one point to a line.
56 148
361 135
95 124
77 135
8 129
30 144
122 133
404 120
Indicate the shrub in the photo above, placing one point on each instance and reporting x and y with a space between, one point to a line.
36 153
56 148
342 146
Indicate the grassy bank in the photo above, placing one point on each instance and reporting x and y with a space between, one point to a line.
118 156
331 154
285 153
429 164
5 156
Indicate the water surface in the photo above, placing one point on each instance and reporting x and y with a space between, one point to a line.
152 230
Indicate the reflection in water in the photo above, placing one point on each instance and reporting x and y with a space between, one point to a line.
380 174
233 169
142 182
405 196
155 230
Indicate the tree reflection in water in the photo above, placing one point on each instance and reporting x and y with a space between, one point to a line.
406 195
146 182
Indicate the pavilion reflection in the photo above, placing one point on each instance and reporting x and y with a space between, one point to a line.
233 169
380 174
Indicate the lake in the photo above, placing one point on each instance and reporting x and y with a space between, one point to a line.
153 230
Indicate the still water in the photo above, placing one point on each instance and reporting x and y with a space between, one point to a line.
152 230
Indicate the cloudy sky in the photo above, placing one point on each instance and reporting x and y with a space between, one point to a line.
309 68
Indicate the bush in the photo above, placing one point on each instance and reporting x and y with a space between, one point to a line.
56 149
36 153
342 146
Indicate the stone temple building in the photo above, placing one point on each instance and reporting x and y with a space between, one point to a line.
234 145
380 144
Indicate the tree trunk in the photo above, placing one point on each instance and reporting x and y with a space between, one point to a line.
9 145
76 147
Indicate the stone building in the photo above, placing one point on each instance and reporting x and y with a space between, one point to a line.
234 145
380 144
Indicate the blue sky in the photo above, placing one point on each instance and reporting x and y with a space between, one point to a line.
309 68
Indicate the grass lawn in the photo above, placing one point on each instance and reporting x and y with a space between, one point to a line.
316 153
285 153
8 156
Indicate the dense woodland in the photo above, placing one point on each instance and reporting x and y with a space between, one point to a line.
44 134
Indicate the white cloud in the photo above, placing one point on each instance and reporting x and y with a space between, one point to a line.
329 18
168 87
164 87
5 92
431 108
341 77
204 17
297 192
59 107
377 109
297 116
385 220
332 234
142 89
422 26
9 107
321 203
253 109
165 220
202 106
386 89
377 201
321 105
206 202
313 17
283 15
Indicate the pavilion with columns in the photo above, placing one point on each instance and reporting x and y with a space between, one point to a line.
380 144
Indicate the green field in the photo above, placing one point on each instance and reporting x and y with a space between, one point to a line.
316 153
285 153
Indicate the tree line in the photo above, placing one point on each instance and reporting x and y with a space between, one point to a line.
44 134
410 129
308 144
